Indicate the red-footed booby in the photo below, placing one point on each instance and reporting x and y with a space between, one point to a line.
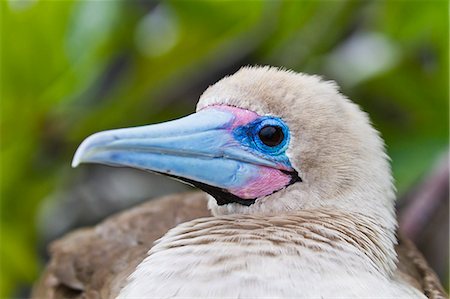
300 189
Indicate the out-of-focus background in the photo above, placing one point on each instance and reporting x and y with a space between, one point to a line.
71 68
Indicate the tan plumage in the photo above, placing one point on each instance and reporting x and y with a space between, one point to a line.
94 262
331 235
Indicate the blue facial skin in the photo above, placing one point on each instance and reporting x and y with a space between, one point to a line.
200 147
248 136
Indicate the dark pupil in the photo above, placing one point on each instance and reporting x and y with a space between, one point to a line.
271 135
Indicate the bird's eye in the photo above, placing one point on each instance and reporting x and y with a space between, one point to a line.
268 135
271 135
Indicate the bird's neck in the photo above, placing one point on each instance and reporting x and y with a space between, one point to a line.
315 251
319 230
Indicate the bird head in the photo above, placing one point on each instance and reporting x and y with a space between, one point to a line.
264 141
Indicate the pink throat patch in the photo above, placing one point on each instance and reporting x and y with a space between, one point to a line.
268 181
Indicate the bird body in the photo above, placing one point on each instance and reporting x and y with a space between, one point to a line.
92 263
298 255
300 190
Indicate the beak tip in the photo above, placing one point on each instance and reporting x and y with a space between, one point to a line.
81 152
84 150
75 163
77 159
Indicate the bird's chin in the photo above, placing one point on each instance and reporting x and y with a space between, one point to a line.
221 196
224 197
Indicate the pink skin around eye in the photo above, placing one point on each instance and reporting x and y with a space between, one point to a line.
242 116
267 182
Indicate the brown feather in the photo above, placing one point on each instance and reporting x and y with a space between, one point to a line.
95 262
413 267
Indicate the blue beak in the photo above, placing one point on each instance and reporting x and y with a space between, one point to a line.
199 149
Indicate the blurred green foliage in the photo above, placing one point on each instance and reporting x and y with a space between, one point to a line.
71 68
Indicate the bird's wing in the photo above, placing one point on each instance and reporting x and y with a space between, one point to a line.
95 262
414 269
